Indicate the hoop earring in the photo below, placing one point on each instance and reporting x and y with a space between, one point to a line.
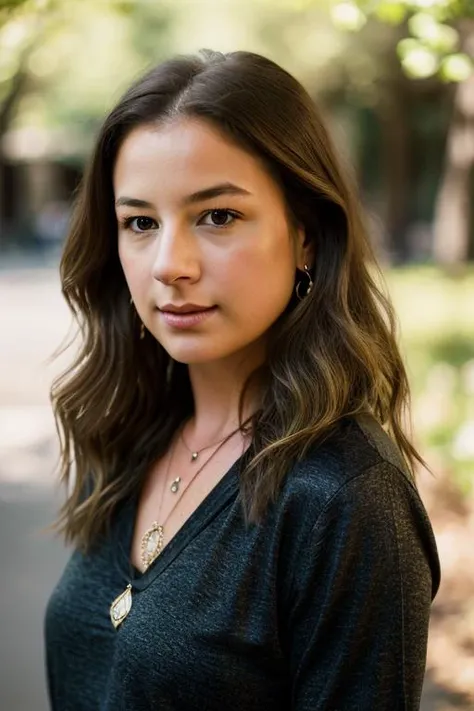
309 287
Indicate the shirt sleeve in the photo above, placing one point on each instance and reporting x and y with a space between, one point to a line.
359 603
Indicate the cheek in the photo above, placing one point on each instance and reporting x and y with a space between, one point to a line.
259 282
136 282
134 270
267 258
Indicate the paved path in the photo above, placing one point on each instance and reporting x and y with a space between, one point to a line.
33 320
30 563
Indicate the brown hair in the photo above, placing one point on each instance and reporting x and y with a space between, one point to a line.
330 356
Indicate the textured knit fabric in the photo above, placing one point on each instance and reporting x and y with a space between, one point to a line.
322 607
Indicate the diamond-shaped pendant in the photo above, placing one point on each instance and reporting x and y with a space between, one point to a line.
121 606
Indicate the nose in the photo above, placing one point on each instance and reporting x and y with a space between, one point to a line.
176 256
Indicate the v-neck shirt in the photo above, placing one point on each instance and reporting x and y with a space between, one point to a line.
322 606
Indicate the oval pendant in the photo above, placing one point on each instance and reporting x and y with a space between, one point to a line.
152 543
121 606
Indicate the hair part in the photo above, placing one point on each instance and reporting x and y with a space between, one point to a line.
331 356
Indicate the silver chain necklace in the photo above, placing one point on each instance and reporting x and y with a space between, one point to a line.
194 456
153 539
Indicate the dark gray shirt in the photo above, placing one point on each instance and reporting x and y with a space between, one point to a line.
322 607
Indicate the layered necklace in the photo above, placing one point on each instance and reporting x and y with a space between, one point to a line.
153 539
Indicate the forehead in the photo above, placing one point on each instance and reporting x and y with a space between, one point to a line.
182 157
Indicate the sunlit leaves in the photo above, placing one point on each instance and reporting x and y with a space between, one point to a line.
9 8
348 16
392 13
456 67
417 60
437 35
433 44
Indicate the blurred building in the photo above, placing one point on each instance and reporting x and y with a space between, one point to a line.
39 174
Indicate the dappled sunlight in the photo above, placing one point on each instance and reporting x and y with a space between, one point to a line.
435 314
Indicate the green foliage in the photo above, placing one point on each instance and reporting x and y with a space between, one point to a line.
10 9
71 52
435 314
433 42
20 22
10 4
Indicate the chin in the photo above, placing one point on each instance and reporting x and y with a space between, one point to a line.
198 354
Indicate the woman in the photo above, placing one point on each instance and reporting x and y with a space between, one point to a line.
246 534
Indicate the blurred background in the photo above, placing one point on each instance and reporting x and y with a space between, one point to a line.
395 80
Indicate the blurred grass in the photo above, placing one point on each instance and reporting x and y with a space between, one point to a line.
436 316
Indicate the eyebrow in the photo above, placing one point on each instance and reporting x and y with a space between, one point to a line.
199 196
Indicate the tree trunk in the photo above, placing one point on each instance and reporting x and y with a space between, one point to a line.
452 210
7 109
395 156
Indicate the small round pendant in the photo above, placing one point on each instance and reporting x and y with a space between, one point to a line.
175 485
194 456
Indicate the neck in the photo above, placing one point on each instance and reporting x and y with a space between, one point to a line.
216 393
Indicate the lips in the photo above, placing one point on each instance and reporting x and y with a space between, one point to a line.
188 320
191 311
187 309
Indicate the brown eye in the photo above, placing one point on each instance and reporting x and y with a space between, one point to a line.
139 224
144 223
220 218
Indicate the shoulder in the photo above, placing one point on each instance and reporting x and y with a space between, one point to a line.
353 490
357 455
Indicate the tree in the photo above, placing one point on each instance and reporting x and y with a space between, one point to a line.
58 60
21 26
438 40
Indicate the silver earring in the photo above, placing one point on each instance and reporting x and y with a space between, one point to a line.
309 287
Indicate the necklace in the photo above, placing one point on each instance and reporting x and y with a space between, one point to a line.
152 541
194 455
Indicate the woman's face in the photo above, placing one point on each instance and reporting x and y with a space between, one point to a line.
201 222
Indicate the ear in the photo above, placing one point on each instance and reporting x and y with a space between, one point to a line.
305 253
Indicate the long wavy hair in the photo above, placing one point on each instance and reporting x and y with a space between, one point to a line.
330 356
